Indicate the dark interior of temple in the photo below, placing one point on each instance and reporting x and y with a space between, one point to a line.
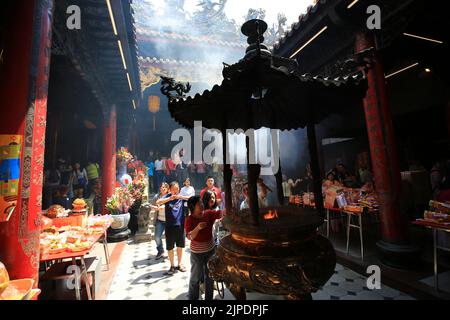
74 116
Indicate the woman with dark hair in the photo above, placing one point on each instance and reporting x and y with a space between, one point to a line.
210 200
198 227
331 180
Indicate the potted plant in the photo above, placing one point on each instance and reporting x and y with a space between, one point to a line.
119 205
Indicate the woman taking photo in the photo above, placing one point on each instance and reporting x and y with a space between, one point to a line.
160 219
79 180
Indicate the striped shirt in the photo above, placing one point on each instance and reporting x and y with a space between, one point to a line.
204 240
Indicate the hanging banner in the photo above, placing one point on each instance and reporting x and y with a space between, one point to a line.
10 147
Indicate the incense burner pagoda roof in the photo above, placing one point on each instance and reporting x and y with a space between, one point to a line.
263 90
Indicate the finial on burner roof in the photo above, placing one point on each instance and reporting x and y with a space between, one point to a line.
254 29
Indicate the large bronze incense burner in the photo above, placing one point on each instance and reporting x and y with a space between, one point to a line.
274 250
280 256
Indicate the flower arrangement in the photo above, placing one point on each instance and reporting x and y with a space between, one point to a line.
124 155
137 167
120 202
137 187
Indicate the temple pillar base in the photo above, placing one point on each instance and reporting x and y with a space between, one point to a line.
399 256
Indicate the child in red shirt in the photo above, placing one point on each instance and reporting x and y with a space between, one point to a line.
198 227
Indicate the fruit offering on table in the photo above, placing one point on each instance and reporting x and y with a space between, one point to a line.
79 206
4 278
50 236
100 220
79 246
57 211
73 237
440 207
96 230
354 209
64 229
88 232
51 229
57 247
436 217
370 202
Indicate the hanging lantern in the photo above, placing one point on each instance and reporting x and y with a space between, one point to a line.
154 103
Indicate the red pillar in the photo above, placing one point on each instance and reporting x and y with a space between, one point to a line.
109 155
394 224
23 92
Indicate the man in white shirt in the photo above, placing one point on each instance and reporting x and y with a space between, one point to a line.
263 190
159 171
186 192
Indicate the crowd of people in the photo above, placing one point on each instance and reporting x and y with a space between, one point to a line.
192 213
173 168
65 182
181 214
338 176
188 212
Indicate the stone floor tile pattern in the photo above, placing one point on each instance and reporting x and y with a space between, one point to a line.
140 277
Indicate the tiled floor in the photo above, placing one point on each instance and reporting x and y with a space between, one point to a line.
444 281
140 277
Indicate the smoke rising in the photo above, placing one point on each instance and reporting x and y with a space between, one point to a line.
192 46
